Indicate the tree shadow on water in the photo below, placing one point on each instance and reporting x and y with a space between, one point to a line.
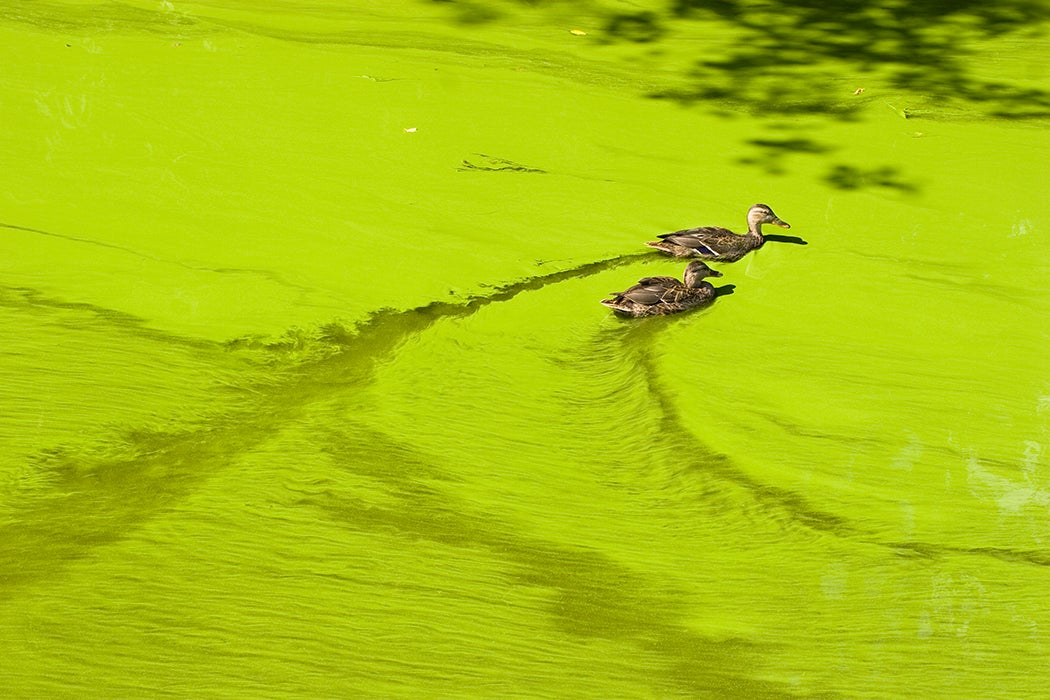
791 57
848 177
821 60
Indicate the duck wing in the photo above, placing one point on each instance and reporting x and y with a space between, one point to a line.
644 294
709 240
651 290
701 233
648 294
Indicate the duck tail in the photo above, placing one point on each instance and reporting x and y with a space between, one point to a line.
620 305
671 249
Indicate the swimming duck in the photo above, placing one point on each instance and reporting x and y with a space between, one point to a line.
714 243
659 296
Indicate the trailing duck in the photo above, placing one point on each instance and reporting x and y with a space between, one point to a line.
660 296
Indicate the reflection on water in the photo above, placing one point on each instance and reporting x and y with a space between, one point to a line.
316 396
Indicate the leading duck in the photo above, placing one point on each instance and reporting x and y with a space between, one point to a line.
714 243
659 296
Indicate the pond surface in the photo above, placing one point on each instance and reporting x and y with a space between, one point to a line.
306 389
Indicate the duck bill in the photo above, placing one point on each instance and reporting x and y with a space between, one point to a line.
714 273
780 223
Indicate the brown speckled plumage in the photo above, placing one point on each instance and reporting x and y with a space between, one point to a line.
714 243
659 296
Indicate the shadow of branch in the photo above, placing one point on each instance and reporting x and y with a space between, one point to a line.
781 58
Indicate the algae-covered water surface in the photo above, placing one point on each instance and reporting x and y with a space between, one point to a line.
306 390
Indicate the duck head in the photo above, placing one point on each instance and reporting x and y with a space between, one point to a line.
696 271
761 214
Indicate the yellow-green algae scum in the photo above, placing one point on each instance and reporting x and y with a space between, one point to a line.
305 389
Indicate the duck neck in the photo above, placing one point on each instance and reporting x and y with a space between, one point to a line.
754 235
695 282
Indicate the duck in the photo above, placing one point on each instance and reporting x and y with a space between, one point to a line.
660 296
715 243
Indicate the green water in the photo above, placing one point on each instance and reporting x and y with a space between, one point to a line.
306 390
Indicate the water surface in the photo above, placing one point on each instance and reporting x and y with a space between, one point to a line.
307 391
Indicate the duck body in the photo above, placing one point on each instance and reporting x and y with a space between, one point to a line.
660 296
708 243
715 243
